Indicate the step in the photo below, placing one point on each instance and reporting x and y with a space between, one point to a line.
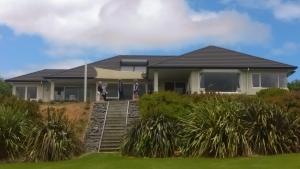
109 149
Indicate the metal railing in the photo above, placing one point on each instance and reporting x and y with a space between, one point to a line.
104 122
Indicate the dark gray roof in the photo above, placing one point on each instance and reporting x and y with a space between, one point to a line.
216 57
35 76
208 57
110 63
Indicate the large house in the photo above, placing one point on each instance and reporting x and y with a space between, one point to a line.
210 69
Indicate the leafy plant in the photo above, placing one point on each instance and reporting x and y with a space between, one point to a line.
52 140
5 88
14 125
271 130
294 85
271 92
167 103
154 136
214 129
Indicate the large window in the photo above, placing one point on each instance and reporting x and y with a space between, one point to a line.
269 80
20 92
31 93
220 82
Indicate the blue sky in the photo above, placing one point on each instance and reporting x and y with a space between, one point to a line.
65 34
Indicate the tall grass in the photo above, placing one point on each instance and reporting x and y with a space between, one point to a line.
52 140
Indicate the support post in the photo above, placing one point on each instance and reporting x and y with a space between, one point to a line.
85 83
13 90
52 86
155 82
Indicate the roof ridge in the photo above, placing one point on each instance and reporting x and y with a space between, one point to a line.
178 56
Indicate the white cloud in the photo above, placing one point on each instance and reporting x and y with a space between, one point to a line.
288 48
61 64
127 24
283 10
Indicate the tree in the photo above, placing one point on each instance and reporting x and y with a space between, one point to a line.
5 88
294 85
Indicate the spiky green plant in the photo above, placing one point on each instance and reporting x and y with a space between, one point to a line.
271 130
154 136
52 140
214 129
14 125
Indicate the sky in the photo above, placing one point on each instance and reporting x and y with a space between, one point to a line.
62 34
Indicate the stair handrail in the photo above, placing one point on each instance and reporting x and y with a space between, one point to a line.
104 122
127 113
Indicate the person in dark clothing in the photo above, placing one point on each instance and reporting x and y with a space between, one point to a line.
121 90
104 91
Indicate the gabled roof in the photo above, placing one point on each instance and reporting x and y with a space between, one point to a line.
110 63
35 76
217 57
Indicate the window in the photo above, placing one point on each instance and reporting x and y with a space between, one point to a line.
282 80
220 82
31 92
134 68
20 92
74 93
255 80
269 80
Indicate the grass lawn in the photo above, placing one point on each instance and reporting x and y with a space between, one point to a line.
115 161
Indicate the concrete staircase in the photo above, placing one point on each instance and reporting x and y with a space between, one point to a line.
114 127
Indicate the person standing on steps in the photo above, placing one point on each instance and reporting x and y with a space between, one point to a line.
99 91
121 90
136 90
104 92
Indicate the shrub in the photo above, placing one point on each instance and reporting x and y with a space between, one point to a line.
294 85
271 92
271 130
214 129
154 136
32 108
168 103
52 140
5 88
14 125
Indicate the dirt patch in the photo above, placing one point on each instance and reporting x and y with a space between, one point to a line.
77 113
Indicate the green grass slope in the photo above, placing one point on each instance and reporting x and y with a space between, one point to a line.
116 161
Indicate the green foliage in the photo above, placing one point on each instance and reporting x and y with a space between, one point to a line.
271 92
214 129
5 88
154 136
168 103
32 108
14 125
52 140
215 125
294 85
270 130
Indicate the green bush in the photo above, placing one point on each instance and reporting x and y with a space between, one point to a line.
271 92
5 88
32 108
214 129
52 140
14 125
294 85
154 136
271 130
168 103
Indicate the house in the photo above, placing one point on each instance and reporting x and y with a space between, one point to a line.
210 69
